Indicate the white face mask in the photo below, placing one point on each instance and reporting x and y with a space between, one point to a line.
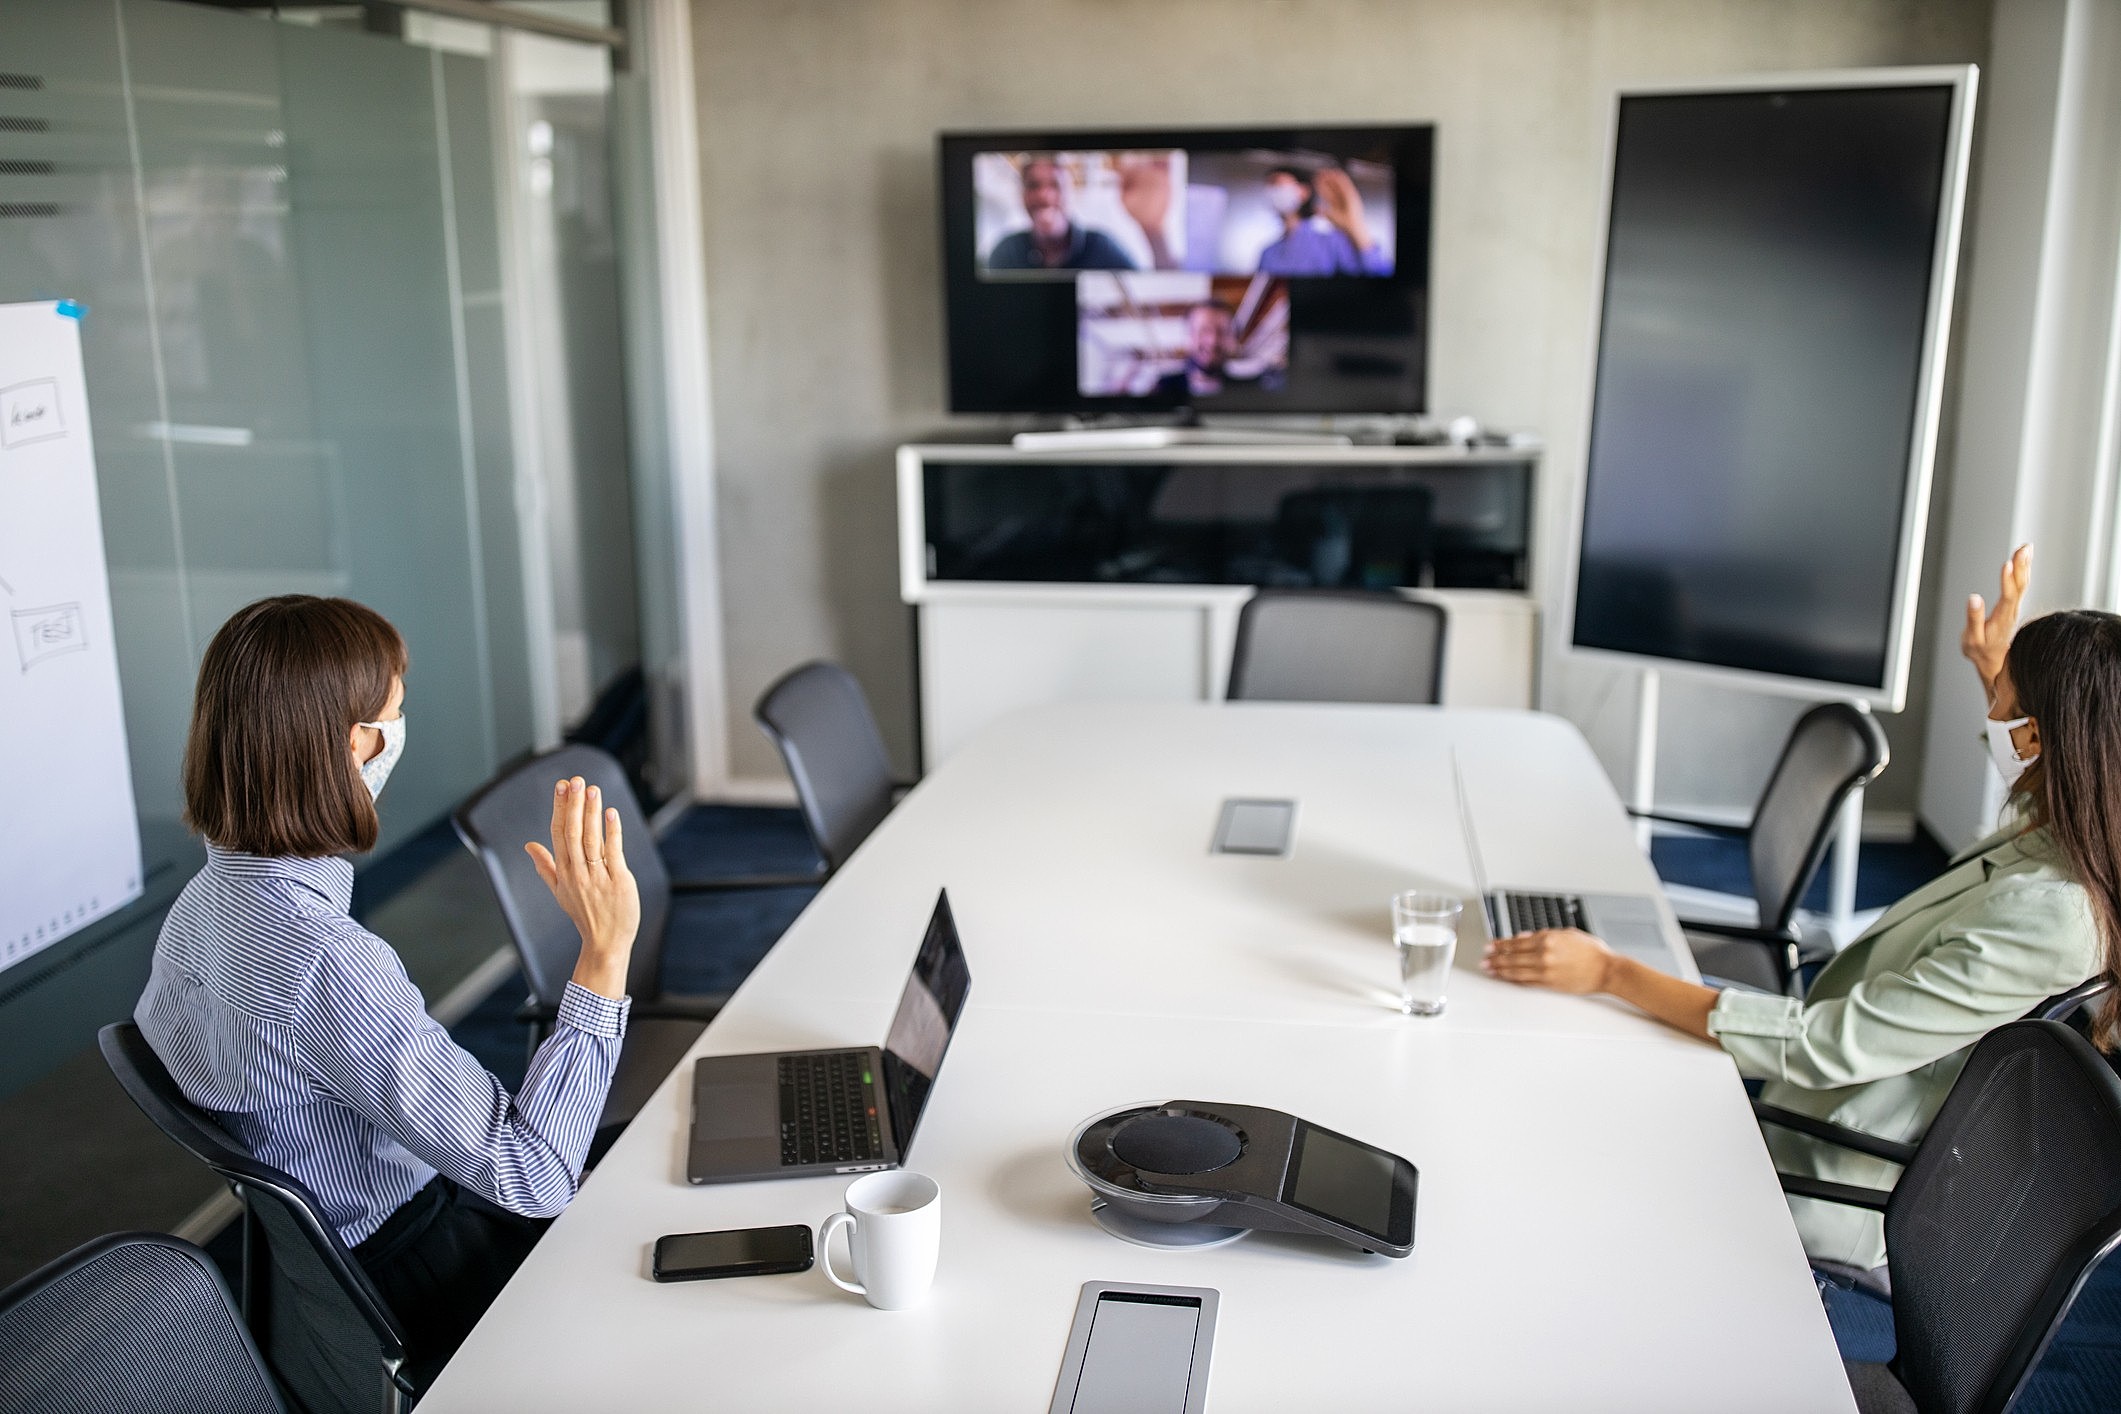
1285 197
2009 764
376 770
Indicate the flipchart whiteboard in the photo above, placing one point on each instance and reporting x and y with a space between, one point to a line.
69 837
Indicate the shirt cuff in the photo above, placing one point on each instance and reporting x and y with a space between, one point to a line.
1739 1012
588 1011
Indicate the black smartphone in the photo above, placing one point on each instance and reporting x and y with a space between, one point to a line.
740 1252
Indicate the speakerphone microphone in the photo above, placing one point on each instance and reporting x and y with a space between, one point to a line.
1195 1173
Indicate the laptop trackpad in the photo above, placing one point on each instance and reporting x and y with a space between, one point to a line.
736 1112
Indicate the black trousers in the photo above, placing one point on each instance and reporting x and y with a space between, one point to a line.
440 1260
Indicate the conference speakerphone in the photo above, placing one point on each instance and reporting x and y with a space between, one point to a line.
1191 1173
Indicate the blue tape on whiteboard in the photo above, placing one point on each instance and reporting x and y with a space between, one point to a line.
71 308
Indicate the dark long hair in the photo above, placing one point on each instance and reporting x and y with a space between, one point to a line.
2066 667
266 769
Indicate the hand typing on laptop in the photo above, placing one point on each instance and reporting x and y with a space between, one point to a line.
1571 960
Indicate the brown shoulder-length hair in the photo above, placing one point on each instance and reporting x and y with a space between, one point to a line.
266 768
2066 667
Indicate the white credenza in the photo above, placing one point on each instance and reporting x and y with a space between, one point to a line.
1074 576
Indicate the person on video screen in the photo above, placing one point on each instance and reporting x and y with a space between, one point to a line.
1056 242
1323 230
1208 349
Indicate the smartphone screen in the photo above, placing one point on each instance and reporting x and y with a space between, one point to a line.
740 1252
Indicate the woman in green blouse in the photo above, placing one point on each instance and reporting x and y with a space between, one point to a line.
2030 911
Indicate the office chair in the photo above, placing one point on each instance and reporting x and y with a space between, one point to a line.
131 1323
1832 749
1337 645
326 1332
819 720
515 808
2007 1205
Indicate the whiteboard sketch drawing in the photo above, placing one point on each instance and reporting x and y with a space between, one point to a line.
29 412
62 707
48 632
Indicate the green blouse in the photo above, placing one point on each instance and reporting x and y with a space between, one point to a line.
1887 1026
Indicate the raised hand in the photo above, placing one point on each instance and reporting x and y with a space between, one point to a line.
1145 192
1988 631
1340 203
586 871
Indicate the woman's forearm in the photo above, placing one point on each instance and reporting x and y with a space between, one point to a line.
1685 1005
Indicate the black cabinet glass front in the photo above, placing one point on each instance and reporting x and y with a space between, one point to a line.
1375 526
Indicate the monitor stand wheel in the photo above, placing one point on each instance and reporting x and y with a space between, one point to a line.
1146 1232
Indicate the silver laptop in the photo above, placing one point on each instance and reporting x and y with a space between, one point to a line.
844 1110
1629 923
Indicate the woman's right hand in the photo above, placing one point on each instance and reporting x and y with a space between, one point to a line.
586 871
1987 638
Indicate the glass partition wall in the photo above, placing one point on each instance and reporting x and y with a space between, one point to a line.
353 327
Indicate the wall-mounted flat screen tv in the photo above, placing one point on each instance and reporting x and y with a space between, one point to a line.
1228 270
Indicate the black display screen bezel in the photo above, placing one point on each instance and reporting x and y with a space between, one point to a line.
796 1254
980 368
1399 1224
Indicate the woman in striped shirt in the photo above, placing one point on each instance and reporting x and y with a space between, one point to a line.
298 1028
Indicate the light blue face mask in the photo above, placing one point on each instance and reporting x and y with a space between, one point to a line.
376 770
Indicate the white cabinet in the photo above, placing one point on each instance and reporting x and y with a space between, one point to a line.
991 646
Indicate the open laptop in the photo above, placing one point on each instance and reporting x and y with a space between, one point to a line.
1629 923
795 1113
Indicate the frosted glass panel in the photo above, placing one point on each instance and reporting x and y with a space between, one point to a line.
288 244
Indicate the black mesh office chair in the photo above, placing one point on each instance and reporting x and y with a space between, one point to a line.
2009 1202
326 1332
819 720
515 808
1337 645
1833 749
131 1323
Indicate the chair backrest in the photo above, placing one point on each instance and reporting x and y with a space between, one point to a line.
515 808
827 737
132 1323
324 1328
2011 1200
1832 749
1337 645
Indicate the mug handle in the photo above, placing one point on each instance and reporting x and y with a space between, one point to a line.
824 1251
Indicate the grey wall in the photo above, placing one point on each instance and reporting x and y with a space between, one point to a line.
818 121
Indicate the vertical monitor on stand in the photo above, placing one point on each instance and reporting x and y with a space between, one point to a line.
1779 262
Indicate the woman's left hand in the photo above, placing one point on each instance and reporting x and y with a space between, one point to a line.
1566 959
1340 203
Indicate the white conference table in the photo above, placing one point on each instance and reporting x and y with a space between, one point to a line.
1598 1227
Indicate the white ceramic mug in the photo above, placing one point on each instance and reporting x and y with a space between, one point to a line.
894 1225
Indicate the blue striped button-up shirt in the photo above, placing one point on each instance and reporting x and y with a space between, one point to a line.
301 1031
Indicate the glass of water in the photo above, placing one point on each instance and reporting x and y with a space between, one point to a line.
1424 930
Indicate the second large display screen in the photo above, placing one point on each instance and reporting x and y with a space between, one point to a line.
1238 271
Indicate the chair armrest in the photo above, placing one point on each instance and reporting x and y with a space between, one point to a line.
1825 1192
1742 932
671 1006
678 1006
1713 827
1826 1131
533 1012
748 882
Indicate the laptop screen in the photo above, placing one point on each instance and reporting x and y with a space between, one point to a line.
927 1015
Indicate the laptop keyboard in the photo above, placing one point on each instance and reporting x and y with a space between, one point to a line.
1531 912
828 1114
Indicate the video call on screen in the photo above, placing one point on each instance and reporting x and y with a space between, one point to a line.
1282 271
